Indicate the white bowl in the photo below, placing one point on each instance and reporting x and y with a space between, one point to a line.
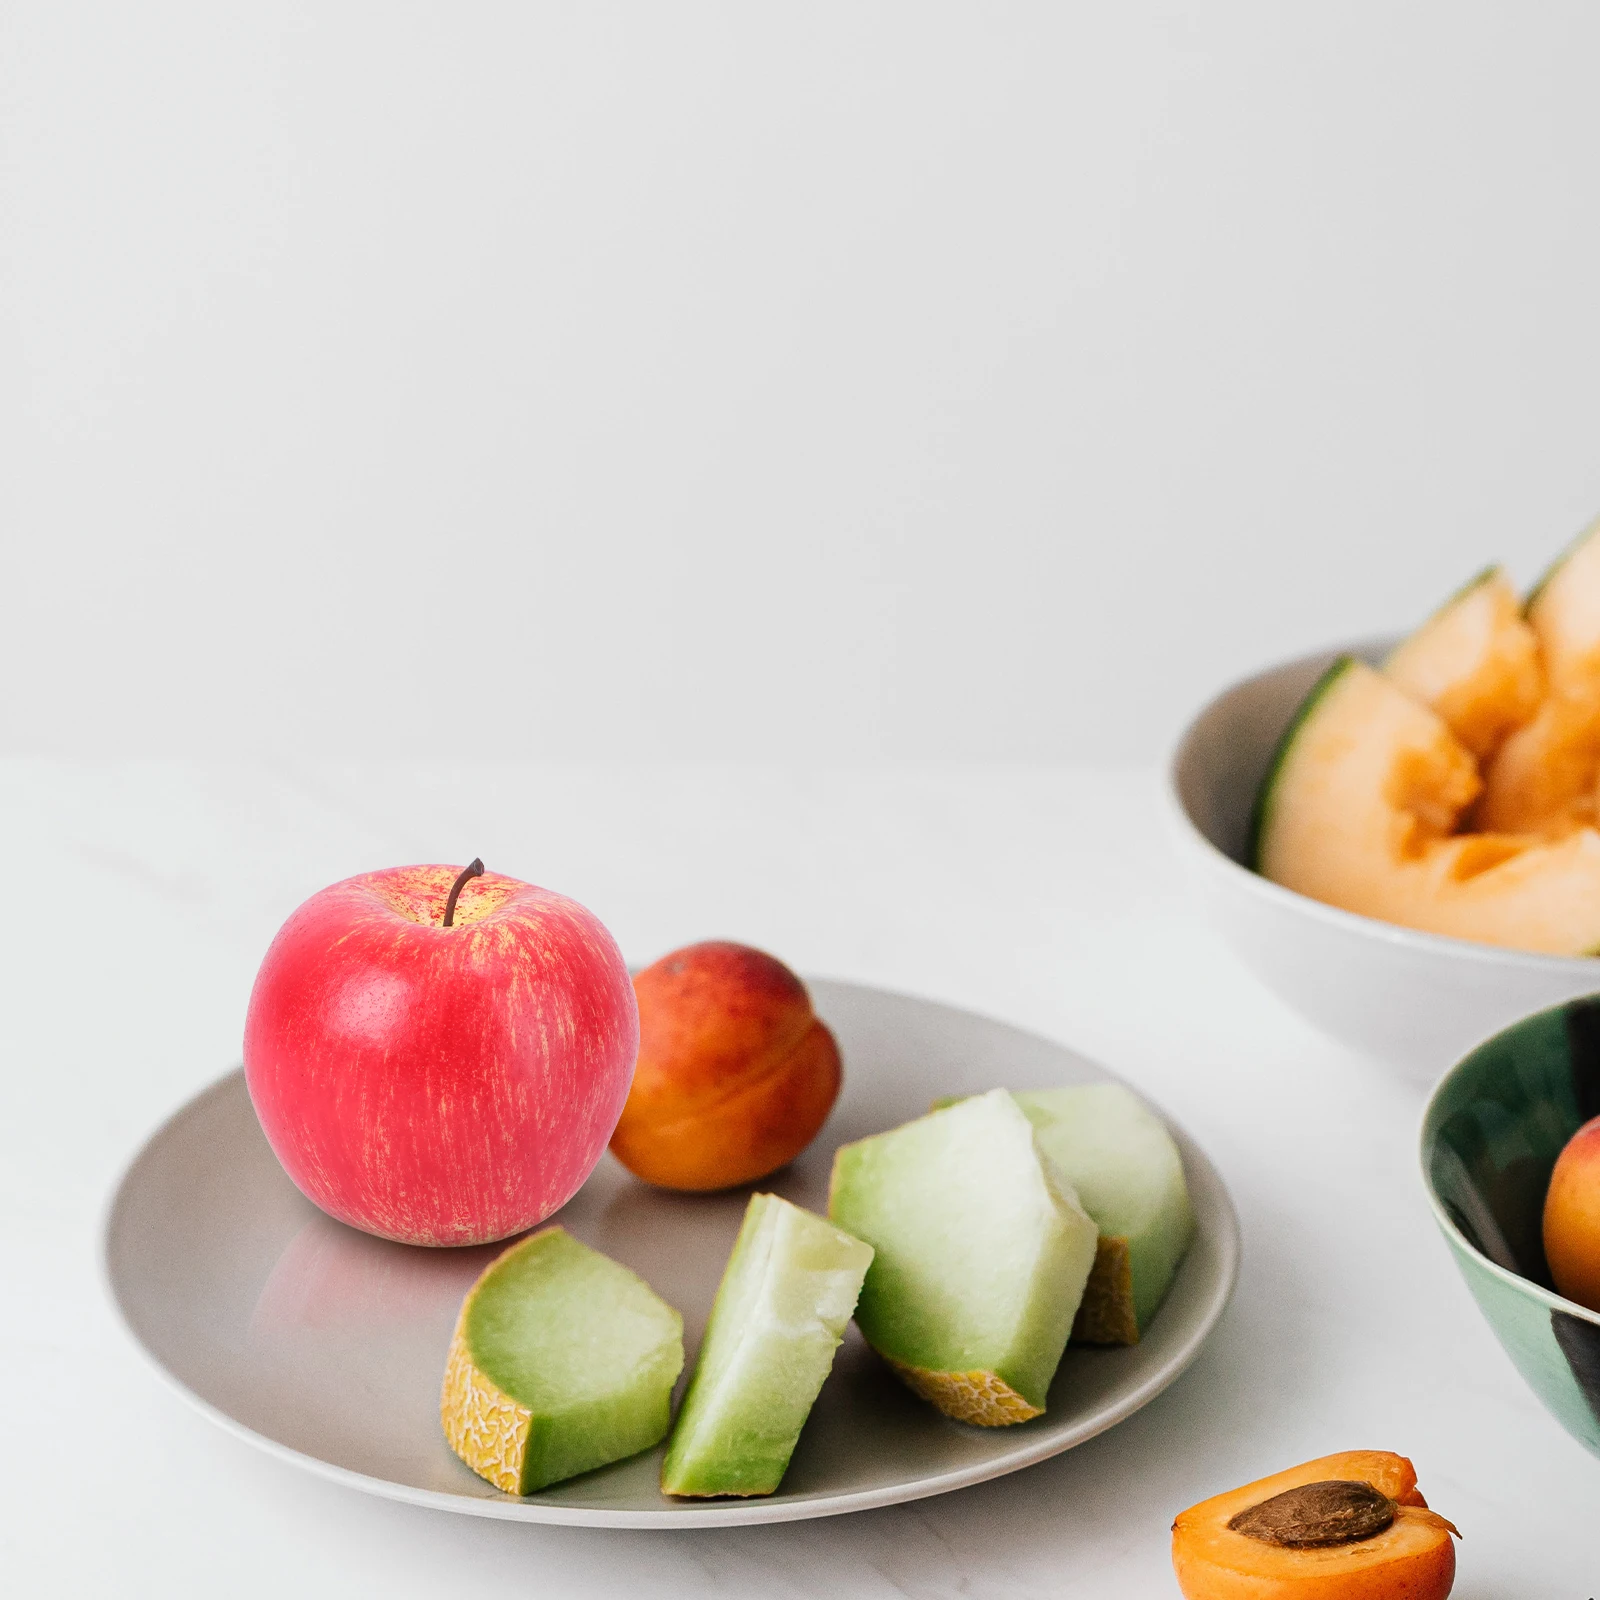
1418 1001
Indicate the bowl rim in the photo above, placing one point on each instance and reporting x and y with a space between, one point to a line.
1435 944
1427 1137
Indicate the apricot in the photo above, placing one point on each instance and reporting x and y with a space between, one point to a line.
1344 1527
1572 1218
736 1074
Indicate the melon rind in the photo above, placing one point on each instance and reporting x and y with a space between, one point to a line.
982 1255
1546 578
1266 794
1106 1313
786 1296
562 1361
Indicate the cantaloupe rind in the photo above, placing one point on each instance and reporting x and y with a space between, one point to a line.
984 1399
1261 813
562 1361
1106 1314
484 1425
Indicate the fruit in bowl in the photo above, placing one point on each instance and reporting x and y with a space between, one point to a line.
1452 789
1571 1224
1508 1160
1378 918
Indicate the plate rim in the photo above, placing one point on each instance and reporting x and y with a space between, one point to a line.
754 1511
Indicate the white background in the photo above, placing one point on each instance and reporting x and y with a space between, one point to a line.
835 381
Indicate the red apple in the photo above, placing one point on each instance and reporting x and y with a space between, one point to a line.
440 1059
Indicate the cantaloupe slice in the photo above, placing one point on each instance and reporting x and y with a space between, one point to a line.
788 1291
1544 777
1359 810
1475 661
562 1361
982 1254
1127 1173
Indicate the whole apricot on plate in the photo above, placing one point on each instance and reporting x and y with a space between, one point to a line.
736 1074
1351 1526
1572 1218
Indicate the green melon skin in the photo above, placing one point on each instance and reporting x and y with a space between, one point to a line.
982 1248
1117 1154
780 1313
584 1344
1266 795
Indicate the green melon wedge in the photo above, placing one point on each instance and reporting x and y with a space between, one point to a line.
982 1254
562 1361
1117 1154
1127 1173
786 1295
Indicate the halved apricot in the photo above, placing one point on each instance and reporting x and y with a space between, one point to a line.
1351 1526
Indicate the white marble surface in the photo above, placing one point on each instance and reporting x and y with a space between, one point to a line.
1046 897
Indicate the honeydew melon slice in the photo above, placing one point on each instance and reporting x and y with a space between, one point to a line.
562 1361
1359 810
1120 1159
780 1312
1127 1174
1475 662
1544 776
982 1254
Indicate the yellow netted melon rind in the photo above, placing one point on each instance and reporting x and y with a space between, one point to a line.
982 1398
484 1425
1106 1314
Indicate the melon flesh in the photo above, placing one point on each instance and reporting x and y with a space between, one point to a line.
562 1361
1544 778
1360 811
1127 1173
1476 663
788 1291
982 1254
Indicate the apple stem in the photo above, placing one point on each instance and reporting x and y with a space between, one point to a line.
473 870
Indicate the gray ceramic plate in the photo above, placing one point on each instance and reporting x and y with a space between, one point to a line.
326 1347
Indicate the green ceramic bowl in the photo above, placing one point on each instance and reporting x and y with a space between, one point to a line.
1491 1134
